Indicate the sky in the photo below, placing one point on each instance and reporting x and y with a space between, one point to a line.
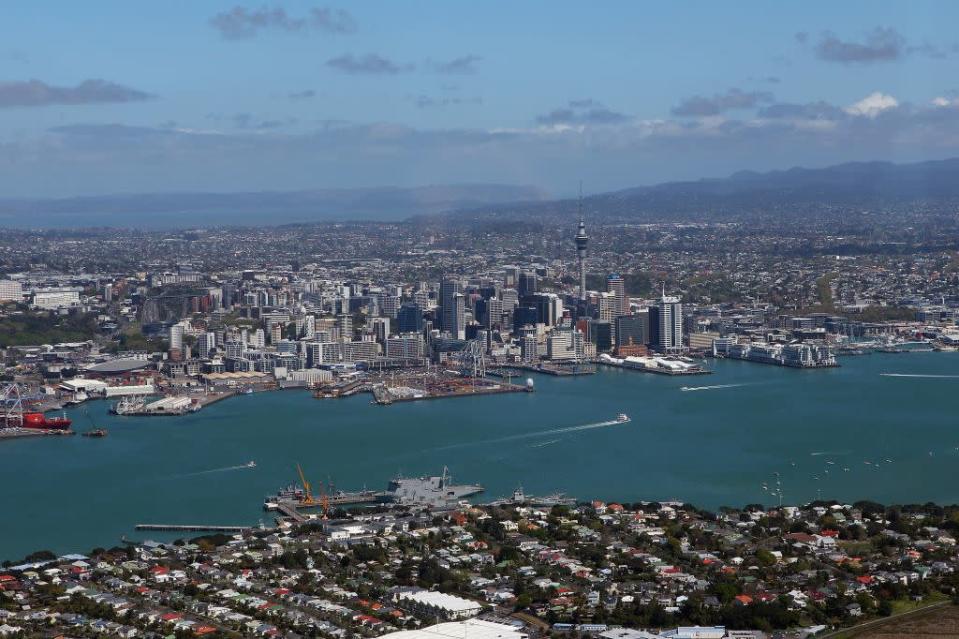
178 96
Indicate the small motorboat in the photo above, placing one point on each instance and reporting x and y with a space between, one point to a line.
251 464
95 432
622 418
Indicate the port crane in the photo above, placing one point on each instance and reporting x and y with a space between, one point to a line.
308 499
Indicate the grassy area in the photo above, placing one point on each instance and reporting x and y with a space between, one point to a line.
824 291
29 328
133 339
907 605
942 621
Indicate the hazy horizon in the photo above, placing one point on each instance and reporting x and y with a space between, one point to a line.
223 97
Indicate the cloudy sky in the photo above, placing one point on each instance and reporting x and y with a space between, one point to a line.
112 97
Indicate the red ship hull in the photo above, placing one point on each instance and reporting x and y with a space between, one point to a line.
41 421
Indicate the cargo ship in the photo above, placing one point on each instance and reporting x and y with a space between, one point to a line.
40 421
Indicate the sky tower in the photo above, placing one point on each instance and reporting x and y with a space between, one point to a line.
581 241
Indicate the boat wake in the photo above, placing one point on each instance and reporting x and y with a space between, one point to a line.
828 453
921 375
211 471
539 433
546 443
687 389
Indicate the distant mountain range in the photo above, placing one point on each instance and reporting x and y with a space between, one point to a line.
741 195
746 194
183 210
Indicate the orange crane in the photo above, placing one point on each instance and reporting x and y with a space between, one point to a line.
308 499
307 489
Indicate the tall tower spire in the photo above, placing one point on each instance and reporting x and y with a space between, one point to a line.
582 240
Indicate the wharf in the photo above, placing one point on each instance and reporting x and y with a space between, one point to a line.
16 433
657 370
193 528
382 395
335 391
559 371
347 499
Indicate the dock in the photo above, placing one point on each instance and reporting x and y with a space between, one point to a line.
193 528
447 388
289 511
501 370
16 432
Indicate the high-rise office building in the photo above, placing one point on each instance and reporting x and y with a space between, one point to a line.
453 316
409 319
632 329
616 286
176 337
527 284
205 342
457 317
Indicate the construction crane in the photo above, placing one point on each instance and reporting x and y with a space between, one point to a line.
307 490
308 499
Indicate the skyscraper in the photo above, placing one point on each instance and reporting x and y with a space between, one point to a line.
409 319
457 317
617 287
527 284
668 316
454 308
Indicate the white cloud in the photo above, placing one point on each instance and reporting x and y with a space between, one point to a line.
872 105
945 102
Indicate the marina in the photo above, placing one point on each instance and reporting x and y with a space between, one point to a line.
703 447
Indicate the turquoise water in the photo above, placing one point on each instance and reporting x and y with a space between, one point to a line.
710 447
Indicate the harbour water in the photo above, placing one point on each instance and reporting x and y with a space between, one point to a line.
713 447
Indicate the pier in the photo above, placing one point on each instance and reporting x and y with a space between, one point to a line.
502 370
16 432
193 528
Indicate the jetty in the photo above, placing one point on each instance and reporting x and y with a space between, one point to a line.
193 528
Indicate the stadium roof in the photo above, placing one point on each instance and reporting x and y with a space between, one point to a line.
469 629
118 366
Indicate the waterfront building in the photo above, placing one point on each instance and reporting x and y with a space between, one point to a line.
319 353
600 333
409 346
529 347
702 340
565 345
632 329
666 324
798 355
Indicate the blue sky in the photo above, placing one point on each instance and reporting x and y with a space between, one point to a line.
112 97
